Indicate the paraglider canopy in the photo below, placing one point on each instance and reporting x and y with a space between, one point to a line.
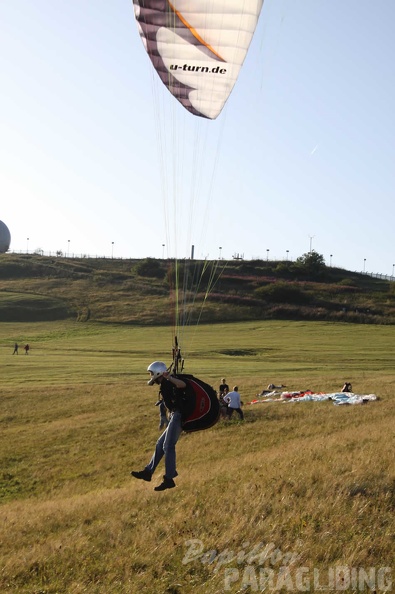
198 47
5 238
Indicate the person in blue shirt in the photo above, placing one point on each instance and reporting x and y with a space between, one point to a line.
234 403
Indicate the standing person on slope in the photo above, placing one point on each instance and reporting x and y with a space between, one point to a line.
179 399
234 403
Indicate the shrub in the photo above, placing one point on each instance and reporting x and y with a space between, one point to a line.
347 282
282 292
150 268
284 268
311 264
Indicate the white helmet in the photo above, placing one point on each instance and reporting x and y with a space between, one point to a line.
156 369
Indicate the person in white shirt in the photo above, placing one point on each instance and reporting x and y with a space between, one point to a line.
234 403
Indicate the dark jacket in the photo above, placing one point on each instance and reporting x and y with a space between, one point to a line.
181 399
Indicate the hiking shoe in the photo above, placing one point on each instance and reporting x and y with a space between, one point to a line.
145 474
165 484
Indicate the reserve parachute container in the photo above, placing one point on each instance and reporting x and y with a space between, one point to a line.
205 412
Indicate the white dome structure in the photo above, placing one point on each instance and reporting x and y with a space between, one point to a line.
5 238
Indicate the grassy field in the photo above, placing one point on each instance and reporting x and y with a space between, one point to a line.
299 497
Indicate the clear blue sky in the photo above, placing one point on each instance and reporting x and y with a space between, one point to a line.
95 150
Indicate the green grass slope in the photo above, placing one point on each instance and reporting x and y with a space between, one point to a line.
141 291
21 307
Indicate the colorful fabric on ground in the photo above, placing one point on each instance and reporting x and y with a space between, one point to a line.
338 398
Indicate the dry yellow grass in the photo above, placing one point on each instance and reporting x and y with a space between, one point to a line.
307 486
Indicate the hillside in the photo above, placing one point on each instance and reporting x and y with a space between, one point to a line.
40 288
